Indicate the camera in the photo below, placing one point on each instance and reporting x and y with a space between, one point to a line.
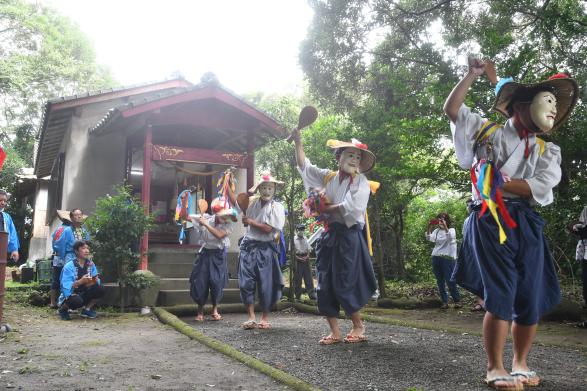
434 221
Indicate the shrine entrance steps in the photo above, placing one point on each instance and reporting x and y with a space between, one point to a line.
174 265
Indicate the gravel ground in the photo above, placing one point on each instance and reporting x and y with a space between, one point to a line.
394 358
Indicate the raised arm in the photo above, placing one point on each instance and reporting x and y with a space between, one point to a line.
457 96
231 195
300 155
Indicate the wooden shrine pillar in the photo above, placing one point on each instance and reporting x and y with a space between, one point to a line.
208 193
146 192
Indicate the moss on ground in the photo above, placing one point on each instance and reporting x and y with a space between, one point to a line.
252 362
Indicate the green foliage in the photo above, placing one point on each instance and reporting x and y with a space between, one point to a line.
42 56
420 211
142 279
387 67
117 225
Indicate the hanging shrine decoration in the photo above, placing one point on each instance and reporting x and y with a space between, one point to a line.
225 182
186 205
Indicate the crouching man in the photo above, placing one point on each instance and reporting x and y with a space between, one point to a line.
80 285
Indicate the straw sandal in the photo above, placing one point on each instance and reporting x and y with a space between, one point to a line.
329 340
216 317
528 378
354 338
249 325
514 383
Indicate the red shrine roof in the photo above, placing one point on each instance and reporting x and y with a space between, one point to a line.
218 115
211 110
58 113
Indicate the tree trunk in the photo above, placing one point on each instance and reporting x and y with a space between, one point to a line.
400 262
120 287
379 253
291 221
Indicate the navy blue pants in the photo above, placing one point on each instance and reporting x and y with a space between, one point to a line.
442 268
584 277
56 277
83 296
517 279
259 271
345 271
303 272
209 275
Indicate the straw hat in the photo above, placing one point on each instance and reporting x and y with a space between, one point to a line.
266 177
64 215
367 157
219 209
561 85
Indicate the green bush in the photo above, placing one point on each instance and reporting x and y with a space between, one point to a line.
117 225
142 279
418 250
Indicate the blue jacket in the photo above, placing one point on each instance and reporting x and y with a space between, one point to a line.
72 272
63 241
13 243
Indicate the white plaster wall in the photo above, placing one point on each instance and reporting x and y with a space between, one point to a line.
93 164
40 210
39 246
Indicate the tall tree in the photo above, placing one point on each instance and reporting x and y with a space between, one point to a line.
389 65
42 55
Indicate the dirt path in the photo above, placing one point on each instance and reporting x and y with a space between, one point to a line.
112 353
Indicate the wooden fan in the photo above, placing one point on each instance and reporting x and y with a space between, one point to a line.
306 118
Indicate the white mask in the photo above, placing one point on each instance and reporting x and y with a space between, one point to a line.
350 160
543 110
267 190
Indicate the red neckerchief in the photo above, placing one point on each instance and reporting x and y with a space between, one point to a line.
523 131
342 175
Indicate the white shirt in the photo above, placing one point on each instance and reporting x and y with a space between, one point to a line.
301 245
207 240
352 197
541 171
445 243
272 214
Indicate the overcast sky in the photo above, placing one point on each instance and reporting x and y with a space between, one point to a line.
251 45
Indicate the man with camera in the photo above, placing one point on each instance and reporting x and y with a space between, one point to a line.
580 229
444 255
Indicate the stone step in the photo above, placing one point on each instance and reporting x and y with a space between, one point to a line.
184 283
171 270
182 296
176 268
175 255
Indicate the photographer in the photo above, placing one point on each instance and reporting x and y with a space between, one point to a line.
443 256
580 229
